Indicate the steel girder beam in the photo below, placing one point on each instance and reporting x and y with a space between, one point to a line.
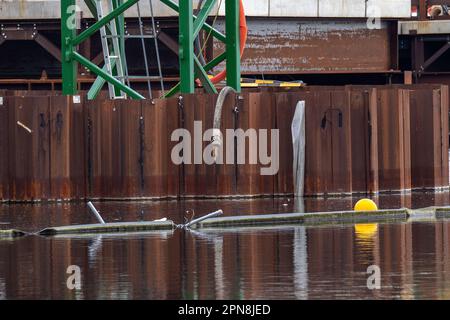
169 42
48 45
29 34
434 57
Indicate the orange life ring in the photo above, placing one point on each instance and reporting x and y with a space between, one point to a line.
243 30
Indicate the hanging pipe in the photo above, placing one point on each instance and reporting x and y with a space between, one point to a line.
216 140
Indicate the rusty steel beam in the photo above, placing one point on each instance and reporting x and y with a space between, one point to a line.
98 59
21 34
30 35
169 42
48 45
435 56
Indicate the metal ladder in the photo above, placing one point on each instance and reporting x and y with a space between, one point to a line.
113 62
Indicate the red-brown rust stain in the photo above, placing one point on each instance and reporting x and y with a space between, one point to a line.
30 158
161 176
59 146
359 104
285 110
391 140
4 147
196 179
341 143
426 128
226 173
256 112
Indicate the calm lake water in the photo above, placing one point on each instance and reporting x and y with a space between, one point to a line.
242 263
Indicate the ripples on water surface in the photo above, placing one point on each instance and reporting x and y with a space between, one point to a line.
247 263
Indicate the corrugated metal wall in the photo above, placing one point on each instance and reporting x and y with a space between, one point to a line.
358 139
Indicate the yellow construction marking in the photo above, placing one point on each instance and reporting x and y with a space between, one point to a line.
290 85
249 85
264 81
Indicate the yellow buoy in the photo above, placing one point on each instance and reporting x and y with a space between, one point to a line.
365 205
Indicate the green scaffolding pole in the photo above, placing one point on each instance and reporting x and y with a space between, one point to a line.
98 71
68 32
232 44
186 50
188 31
189 28
70 39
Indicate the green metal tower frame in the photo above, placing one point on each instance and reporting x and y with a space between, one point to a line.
189 28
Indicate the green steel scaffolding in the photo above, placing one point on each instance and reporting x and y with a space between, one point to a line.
189 28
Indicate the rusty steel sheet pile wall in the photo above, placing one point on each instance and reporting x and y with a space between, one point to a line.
359 139
429 131
394 145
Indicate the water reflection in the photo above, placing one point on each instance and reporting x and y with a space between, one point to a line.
300 264
34 217
275 263
240 263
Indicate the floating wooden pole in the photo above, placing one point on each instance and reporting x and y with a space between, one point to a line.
109 228
442 212
305 218
11 233
112 235
211 221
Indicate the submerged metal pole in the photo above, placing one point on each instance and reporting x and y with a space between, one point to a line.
96 213
211 215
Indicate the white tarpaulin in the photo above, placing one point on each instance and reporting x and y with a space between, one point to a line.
298 144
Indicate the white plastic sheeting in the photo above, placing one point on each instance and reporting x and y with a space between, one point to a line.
298 144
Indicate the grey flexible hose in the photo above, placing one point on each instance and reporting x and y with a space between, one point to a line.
219 105
216 140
